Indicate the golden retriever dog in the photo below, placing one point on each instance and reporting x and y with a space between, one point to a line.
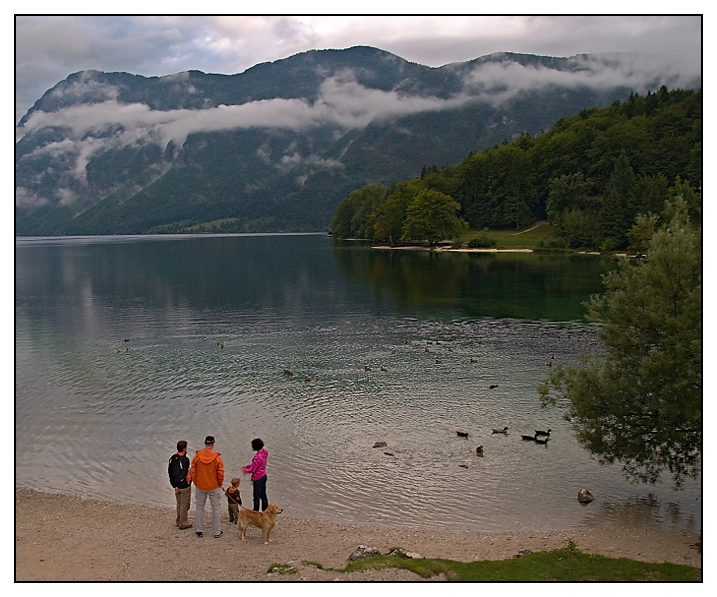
262 520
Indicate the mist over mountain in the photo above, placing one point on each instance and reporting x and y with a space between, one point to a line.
277 147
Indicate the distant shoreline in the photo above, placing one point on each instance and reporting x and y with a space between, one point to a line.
449 249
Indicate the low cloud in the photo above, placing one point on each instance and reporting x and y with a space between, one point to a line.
27 200
497 81
341 102
85 86
289 162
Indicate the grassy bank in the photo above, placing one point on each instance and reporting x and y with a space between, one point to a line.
568 564
529 237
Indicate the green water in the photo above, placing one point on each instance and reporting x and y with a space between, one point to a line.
522 285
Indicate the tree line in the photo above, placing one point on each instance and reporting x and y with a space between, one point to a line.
591 176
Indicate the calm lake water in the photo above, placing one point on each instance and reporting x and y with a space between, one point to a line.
118 356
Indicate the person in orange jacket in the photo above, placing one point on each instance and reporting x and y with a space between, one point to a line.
207 473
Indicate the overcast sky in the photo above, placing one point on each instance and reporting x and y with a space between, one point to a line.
48 49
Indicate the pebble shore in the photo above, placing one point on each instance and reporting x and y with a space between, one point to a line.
67 538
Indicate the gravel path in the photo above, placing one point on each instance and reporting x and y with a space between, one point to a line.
66 538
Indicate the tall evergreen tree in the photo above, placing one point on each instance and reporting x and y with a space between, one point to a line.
641 403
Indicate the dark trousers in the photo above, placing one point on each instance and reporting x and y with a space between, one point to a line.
260 494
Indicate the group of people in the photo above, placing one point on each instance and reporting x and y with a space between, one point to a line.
206 473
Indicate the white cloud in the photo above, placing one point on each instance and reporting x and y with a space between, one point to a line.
342 102
26 199
85 86
48 48
496 81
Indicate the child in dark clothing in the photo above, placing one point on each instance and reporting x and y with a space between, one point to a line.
234 500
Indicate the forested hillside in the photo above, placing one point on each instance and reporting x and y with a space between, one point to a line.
590 175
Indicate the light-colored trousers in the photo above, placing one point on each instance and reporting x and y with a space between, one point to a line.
184 501
215 500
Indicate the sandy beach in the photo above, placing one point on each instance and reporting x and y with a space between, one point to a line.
66 538
445 249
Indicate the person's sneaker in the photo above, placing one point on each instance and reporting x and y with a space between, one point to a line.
219 534
200 534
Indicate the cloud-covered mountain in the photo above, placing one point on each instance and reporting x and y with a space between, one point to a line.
278 146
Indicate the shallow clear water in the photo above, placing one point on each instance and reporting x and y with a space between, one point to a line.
99 416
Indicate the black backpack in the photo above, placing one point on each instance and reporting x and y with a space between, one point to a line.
178 469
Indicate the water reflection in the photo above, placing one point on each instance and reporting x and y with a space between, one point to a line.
525 285
648 512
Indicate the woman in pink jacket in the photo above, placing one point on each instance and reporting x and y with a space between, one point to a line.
257 468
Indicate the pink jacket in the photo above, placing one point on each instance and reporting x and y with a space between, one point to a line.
257 468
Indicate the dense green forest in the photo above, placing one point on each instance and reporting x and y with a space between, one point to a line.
591 175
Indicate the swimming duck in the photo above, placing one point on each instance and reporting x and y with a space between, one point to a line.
503 431
541 441
462 433
479 451
542 433
530 438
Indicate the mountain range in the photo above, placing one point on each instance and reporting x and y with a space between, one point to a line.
279 146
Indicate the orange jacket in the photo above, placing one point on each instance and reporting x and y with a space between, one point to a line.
207 469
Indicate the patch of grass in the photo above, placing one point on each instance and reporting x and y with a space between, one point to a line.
315 565
524 238
482 241
281 569
568 564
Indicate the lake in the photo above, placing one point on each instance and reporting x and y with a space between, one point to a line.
125 345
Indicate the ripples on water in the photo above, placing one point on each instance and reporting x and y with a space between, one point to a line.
97 419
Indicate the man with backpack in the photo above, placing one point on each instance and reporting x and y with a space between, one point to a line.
180 479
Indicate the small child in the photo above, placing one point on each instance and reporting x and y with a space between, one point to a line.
234 500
